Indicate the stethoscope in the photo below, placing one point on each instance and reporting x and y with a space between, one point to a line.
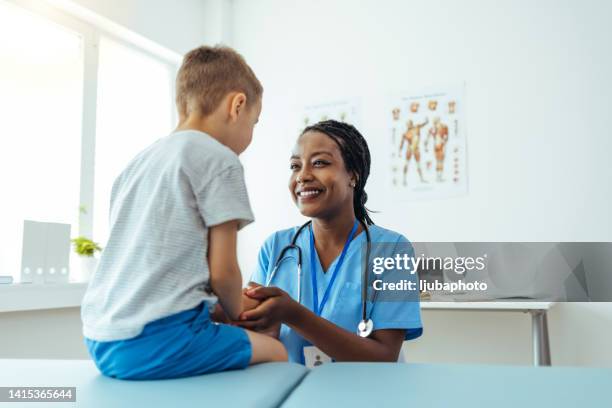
366 325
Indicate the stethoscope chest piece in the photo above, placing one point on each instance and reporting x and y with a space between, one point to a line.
365 328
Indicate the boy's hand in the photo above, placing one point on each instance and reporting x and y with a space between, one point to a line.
248 303
267 318
251 303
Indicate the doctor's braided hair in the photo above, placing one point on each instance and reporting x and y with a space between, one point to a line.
356 156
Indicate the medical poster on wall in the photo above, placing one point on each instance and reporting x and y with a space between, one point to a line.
427 144
347 110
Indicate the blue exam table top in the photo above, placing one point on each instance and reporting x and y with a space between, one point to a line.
263 385
377 385
372 385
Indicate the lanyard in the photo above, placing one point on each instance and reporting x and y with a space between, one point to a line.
318 308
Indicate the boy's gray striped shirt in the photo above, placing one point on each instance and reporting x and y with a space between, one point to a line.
154 264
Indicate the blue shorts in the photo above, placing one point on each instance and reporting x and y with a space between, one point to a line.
181 345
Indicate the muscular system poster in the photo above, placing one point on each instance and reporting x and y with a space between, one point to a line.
427 144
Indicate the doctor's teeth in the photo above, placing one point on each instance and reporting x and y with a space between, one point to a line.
308 193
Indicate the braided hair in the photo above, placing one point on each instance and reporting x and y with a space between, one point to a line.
356 156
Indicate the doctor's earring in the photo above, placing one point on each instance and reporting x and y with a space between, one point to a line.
353 184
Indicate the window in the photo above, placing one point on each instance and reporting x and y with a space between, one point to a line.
41 84
134 108
69 93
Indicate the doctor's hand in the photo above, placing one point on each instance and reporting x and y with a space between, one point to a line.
218 314
276 306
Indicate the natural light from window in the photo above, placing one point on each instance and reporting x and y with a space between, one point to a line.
41 81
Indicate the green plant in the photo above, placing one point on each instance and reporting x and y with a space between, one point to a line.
85 246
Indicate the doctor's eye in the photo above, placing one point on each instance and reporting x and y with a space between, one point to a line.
294 166
320 163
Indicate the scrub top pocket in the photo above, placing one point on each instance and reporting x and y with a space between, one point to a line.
347 308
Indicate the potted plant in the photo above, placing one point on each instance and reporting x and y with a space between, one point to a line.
86 249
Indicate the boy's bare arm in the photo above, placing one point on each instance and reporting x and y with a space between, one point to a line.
225 277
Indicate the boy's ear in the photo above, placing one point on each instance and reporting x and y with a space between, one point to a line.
237 105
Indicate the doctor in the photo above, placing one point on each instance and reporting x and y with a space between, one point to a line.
329 167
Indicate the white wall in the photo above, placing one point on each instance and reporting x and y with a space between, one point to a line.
179 26
538 91
53 334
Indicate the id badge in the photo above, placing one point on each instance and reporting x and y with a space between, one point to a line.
313 357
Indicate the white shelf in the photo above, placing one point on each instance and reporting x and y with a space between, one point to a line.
487 305
31 296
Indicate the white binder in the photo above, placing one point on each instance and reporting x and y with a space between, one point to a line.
46 252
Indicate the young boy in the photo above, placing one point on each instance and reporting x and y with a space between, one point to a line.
175 213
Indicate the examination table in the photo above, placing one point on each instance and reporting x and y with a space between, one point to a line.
373 385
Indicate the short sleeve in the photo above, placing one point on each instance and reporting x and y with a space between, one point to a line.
225 198
399 312
263 262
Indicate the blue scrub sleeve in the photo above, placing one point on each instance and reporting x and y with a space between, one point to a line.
400 313
263 262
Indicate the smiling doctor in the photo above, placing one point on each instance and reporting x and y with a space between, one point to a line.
310 279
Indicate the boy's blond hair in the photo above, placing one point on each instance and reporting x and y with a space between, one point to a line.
208 74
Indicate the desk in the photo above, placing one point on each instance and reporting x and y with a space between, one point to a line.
537 310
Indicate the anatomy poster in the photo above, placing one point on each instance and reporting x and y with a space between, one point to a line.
427 143
343 111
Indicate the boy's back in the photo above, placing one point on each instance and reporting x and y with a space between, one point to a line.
171 253
155 263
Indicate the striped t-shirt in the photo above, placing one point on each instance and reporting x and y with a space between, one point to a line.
155 261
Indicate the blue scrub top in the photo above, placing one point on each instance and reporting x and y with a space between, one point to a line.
343 307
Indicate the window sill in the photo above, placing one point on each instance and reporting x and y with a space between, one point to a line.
23 297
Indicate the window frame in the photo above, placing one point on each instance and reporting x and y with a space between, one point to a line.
92 28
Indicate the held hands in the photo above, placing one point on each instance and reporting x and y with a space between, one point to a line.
248 303
275 307
264 309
